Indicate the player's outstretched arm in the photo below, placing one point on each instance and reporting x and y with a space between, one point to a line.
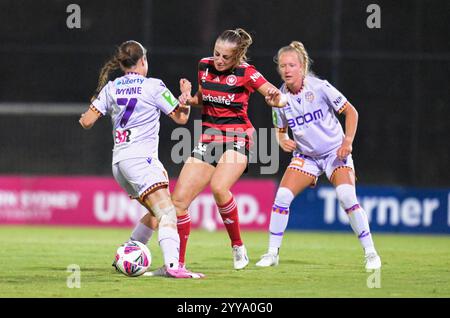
186 91
273 96
181 114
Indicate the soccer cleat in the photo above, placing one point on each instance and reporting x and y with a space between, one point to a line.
162 272
114 263
159 272
373 261
267 260
240 257
182 272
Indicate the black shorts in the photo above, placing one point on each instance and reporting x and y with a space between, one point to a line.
211 152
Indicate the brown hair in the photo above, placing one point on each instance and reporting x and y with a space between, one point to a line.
127 55
301 52
241 38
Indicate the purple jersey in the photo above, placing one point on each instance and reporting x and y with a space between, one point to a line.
310 115
134 103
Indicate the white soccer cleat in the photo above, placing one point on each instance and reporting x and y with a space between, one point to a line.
267 260
373 261
240 257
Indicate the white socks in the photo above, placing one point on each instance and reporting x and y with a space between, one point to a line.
168 238
346 194
141 233
279 218
169 241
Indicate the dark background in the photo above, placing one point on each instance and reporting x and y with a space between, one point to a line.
397 77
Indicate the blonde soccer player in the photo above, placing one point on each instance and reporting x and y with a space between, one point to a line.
134 103
319 145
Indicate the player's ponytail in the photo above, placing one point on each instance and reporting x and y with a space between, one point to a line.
241 38
302 54
244 43
111 65
127 55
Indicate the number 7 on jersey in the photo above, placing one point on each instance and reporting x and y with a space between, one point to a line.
131 104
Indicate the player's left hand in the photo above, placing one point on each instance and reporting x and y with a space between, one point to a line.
345 149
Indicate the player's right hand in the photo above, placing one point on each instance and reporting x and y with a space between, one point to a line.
288 145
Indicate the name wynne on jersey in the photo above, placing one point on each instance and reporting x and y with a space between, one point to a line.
129 90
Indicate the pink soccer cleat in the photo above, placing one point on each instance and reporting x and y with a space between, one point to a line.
182 272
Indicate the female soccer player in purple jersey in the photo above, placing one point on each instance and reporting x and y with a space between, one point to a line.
134 103
319 146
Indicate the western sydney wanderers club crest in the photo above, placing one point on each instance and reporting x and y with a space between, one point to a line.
231 80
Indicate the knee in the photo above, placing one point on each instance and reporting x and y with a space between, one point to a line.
165 213
218 189
284 197
180 202
346 195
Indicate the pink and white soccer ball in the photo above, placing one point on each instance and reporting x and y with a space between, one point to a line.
133 258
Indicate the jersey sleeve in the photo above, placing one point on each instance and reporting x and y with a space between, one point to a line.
278 118
200 70
253 78
164 98
333 97
102 101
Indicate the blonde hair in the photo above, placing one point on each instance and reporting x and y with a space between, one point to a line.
301 52
127 55
241 38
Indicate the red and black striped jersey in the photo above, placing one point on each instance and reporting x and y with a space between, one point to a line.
225 101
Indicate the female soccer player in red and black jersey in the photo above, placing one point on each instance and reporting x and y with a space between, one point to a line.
225 82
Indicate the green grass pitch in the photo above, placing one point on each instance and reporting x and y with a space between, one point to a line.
34 263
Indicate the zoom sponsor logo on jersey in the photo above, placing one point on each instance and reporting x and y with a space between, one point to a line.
225 100
170 98
306 118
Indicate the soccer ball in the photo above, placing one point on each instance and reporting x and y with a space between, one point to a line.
133 258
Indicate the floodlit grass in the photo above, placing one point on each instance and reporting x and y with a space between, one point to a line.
34 263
